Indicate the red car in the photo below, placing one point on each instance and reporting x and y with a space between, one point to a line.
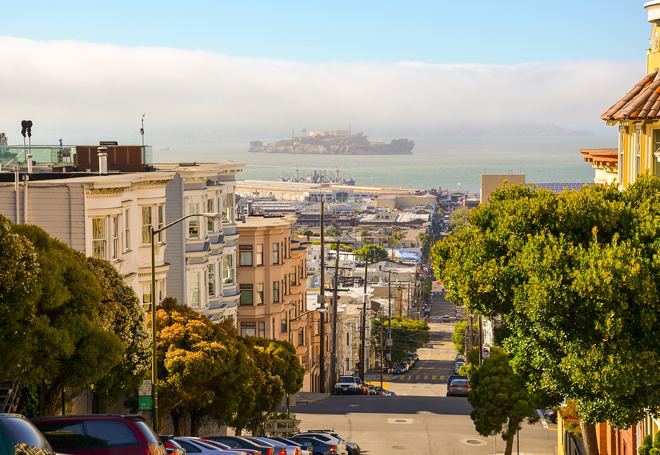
100 434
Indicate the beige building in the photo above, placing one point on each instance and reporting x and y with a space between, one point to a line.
491 182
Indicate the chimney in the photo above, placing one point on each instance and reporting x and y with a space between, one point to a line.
103 160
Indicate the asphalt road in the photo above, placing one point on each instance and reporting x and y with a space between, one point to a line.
420 419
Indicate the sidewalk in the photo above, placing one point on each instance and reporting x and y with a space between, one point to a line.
310 397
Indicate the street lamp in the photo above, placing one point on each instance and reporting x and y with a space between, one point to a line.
154 375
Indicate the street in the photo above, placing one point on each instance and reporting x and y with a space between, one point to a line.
420 418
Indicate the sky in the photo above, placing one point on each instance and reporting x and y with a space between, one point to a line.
204 70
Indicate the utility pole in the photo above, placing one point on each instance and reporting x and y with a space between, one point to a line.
381 353
481 344
389 311
363 334
322 301
333 346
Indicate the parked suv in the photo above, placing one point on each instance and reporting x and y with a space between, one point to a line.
349 384
100 434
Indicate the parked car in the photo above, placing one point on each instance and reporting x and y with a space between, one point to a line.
446 318
292 446
331 438
239 442
454 376
316 446
100 434
551 415
230 449
280 448
171 446
18 436
458 387
457 366
198 446
349 385
399 368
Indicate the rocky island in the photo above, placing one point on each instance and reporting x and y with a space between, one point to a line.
334 143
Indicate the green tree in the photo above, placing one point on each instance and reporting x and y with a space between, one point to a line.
576 278
395 238
500 399
333 232
70 349
457 219
458 337
121 313
364 233
285 363
194 362
408 335
19 272
307 233
372 253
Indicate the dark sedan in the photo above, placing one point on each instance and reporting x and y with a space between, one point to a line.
316 446
239 442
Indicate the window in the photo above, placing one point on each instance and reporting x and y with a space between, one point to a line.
259 298
262 329
656 152
248 329
283 322
107 434
161 222
194 290
228 208
210 221
292 276
245 255
147 220
127 230
276 291
228 269
98 238
193 222
260 254
246 294
300 269
638 149
212 280
146 293
276 253
116 245
622 146
301 337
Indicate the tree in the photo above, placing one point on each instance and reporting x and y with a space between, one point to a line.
333 232
69 349
457 219
307 233
500 399
364 232
121 313
408 335
372 253
458 337
19 272
285 363
576 278
395 238
195 363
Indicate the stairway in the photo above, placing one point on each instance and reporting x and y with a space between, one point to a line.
10 394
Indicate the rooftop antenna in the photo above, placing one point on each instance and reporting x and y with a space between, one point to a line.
144 157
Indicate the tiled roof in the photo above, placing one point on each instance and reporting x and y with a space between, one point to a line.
641 102
608 157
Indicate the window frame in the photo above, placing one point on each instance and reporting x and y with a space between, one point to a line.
99 237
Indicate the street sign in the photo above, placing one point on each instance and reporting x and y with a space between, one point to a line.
145 402
389 342
145 388
485 352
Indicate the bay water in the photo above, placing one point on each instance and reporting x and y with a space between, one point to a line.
447 163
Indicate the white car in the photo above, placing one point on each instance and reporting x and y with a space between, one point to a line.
458 366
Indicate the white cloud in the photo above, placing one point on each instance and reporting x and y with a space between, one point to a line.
76 89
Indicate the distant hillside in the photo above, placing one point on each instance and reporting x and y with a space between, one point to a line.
356 144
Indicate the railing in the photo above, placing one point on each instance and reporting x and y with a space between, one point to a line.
573 445
41 155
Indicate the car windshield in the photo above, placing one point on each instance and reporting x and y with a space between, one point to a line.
346 380
459 382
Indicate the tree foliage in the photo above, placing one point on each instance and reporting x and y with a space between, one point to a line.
19 272
458 337
69 348
372 253
457 219
500 399
576 277
121 313
408 335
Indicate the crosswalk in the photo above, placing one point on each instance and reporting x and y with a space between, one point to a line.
436 357
416 377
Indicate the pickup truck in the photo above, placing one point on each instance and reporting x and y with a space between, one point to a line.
349 385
